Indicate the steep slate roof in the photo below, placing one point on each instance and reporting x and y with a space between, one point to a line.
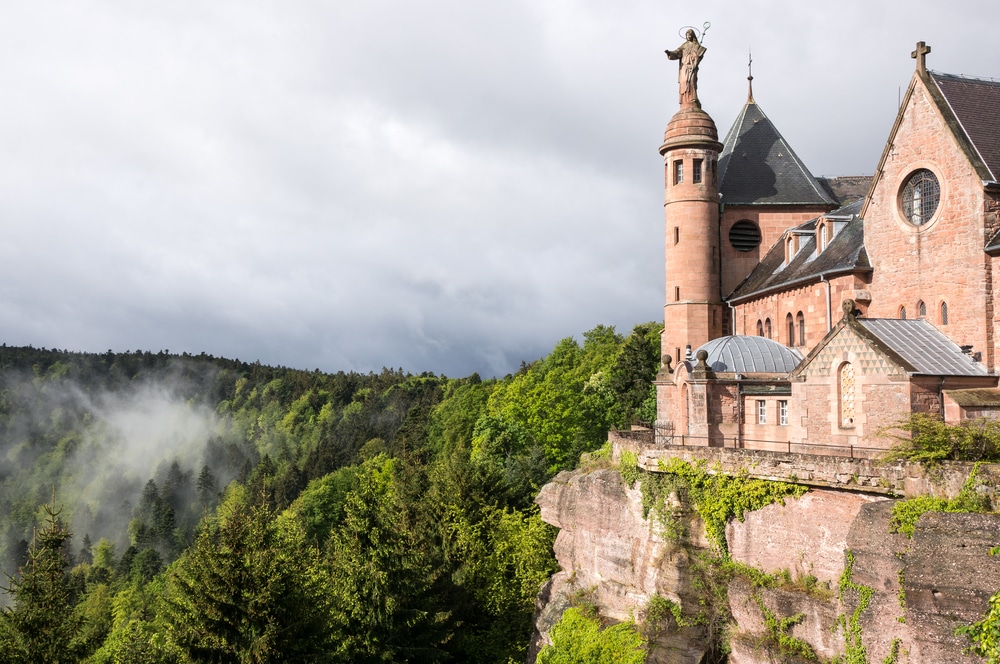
757 166
922 348
975 103
845 252
744 354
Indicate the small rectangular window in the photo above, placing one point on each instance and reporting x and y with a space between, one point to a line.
761 411
677 293
696 171
678 171
783 413
677 234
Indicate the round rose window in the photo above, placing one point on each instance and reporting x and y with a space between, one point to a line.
920 197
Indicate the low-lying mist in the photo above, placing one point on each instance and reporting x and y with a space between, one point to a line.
93 451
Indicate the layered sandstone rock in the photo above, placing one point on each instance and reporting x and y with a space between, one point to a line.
613 557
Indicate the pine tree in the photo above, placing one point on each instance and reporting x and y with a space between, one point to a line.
249 590
208 489
381 577
41 626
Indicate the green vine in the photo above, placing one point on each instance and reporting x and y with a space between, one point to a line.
985 634
905 513
854 649
901 595
778 635
719 497
667 496
658 609
628 466
893 652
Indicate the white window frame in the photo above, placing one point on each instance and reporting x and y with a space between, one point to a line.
783 413
761 411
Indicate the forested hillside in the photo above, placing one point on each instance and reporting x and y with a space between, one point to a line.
166 508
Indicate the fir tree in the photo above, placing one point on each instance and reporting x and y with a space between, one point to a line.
41 626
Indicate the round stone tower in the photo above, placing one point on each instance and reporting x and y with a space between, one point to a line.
693 313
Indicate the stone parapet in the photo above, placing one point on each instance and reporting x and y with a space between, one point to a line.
895 479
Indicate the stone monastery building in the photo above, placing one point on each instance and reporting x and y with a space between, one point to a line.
805 314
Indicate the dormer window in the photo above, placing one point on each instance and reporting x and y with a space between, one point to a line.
823 238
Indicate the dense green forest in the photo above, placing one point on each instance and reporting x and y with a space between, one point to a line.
181 508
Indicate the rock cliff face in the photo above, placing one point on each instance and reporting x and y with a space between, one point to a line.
614 558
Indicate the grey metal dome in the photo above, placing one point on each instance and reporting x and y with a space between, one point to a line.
742 354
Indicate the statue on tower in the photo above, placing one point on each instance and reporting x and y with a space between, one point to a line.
689 54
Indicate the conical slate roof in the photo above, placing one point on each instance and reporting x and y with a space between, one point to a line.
743 354
757 166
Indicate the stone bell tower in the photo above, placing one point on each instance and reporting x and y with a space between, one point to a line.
693 312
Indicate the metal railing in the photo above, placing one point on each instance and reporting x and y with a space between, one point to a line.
664 436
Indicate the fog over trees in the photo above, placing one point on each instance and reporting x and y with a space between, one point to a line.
166 508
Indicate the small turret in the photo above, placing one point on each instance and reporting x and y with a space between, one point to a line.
693 309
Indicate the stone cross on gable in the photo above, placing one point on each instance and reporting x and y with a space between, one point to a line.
920 55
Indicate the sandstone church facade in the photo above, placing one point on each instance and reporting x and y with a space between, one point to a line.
806 314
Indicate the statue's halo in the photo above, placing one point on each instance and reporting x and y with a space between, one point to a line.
698 32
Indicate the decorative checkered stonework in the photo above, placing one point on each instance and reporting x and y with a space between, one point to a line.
866 360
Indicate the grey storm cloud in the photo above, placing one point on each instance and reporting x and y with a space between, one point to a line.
444 186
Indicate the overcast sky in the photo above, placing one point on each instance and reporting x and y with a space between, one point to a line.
447 186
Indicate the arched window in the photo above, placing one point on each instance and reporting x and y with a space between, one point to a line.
767 328
790 324
802 329
792 246
944 313
846 380
760 329
902 313
921 309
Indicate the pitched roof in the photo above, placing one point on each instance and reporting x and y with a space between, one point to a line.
757 166
975 102
967 106
744 354
914 347
922 348
846 188
845 252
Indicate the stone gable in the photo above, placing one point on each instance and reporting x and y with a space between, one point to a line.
848 346
942 261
